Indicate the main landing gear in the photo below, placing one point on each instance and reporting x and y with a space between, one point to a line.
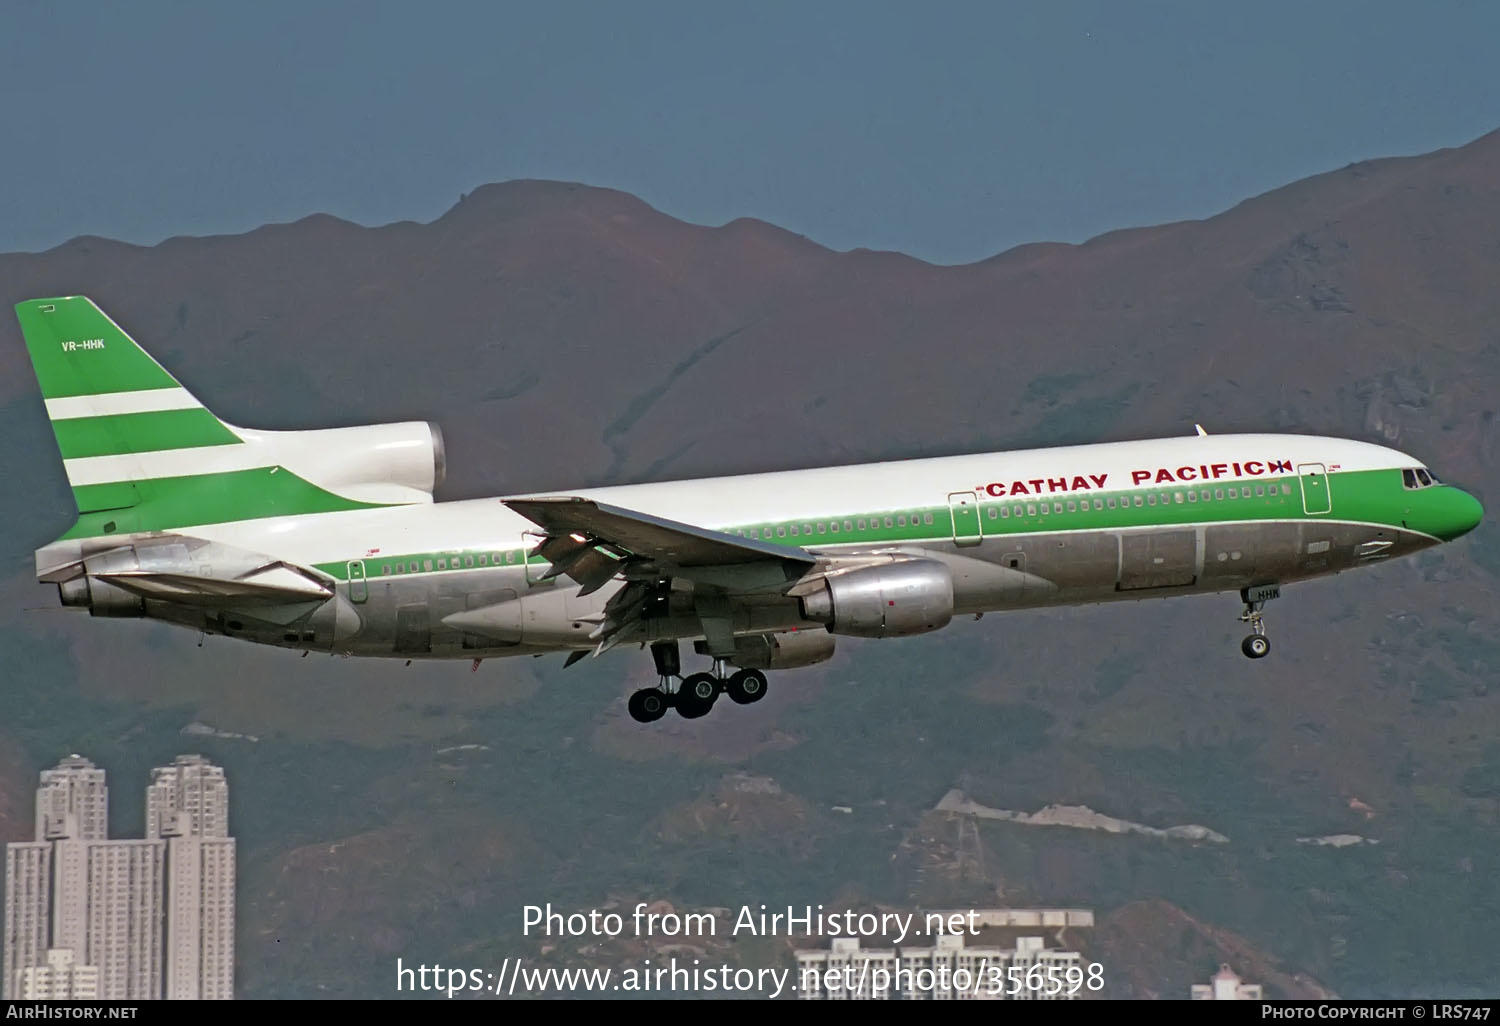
697 693
1257 645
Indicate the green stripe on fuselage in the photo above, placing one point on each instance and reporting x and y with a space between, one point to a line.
1375 497
169 503
111 435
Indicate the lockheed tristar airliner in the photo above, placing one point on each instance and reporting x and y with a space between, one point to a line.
330 540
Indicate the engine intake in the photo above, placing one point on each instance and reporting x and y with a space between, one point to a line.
895 600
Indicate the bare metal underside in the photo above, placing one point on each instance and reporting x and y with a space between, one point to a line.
506 611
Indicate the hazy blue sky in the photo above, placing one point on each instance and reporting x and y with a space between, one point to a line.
947 130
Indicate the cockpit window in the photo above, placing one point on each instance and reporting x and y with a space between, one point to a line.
1422 477
1419 477
1409 478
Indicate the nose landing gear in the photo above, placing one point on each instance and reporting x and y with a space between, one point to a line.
1257 645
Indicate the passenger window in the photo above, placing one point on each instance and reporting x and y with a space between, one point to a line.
1286 489
385 571
1072 507
1098 503
1192 496
794 530
781 532
1260 491
994 512
1004 512
823 527
807 528
1218 493
861 524
468 561
888 522
1205 495
834 527
1139 501
1031 510
427 565
1111 502
1151 499
1177 497
1044 509
484 559
442 564
1018 510
901 520
926 518
510 557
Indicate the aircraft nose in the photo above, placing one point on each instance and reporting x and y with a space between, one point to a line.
1458 514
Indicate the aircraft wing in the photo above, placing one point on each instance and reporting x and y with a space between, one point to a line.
594 543
650 546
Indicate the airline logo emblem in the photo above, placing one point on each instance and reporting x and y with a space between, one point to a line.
1158 475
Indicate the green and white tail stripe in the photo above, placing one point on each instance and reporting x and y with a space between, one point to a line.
119 417
142 453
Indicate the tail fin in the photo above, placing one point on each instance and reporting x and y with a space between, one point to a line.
119 417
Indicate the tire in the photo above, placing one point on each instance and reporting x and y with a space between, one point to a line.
649 705
697 695
747 686
1256 646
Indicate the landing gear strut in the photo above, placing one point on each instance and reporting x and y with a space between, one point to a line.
1256 645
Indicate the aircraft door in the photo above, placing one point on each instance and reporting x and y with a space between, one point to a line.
1316 497
966 527
359 589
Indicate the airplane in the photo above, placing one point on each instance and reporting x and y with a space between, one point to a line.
330 540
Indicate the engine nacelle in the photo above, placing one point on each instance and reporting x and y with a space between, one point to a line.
785 651
100 597
379 463
893 600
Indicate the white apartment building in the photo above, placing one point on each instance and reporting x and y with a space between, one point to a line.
59 978
136 919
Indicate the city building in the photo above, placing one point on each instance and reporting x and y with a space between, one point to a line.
133 919
59 979
1226 985
28 912
947 969
188 805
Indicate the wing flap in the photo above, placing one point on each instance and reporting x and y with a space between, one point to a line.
666 543
594 543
